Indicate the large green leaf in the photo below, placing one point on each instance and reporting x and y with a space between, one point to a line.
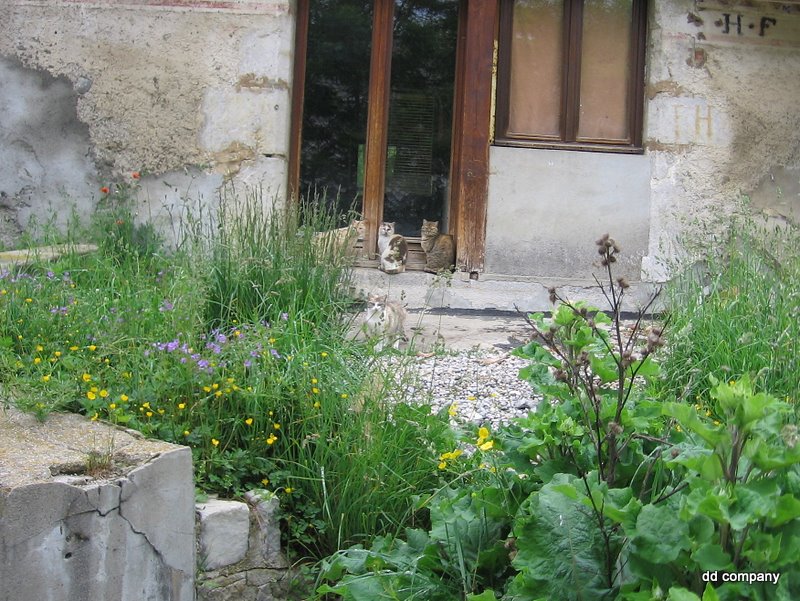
560 552
660 534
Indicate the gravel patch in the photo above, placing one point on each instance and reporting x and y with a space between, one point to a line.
482 386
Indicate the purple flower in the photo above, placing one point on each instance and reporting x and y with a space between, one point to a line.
275 353
166 306
214 348
172 346
285 316
248 363
203 364
50 275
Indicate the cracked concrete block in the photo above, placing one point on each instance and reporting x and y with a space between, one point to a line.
267 533
125 534
224 530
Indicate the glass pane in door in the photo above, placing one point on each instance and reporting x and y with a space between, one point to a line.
335 103
420 113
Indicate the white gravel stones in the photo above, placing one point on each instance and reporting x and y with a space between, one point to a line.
483 387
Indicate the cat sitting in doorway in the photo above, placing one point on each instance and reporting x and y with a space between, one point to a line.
440 250
392 248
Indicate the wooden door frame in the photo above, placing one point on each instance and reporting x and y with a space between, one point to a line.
472 118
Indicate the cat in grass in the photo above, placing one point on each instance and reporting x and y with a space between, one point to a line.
384 321
392 248
440 250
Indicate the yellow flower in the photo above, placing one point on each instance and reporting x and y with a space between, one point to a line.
181 406
103 393
215 442
91 396
483 433
146 405
317 405
323 354
57 353
162 411
37 361
45 378
112 406
93 389
3 292
452 410
218 393
265 481
73 348
272 438
92 347
214 386
442 465
314 381
288 490
149 414
344 395
28 300
86 377
678 428
39 348
207 388
249 421
94 417
271 341
315 390
276 426
186 432
123 398
486 445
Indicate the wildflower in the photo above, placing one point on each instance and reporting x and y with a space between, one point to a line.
186 432
344 395
314 381
58 353
442 465
271 341
123 398
103 393
94 389
136 175
214 386
249 421
112 406
315 390
452 410
73 348
182 406
272 438
105 190
317 405
92 347
265 481
486 445
45 378
215 442
323 354
284 317
276 426
146 405
149 414
28 300
288 490
162 411
39 348
218 393
37 361
91 396
94 417
86 377
207 388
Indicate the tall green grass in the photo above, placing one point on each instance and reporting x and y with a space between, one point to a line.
236 346
740 315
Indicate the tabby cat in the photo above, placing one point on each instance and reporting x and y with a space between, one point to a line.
341 241
393 249
440 250
384 321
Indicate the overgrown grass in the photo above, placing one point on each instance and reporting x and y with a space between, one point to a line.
740 315
236 346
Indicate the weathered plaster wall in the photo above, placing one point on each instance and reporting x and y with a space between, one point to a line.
721 118
187 92
546 208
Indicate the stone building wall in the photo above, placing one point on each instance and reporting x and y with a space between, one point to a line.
191 93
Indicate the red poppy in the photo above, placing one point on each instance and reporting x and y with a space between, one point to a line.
105 190
136 175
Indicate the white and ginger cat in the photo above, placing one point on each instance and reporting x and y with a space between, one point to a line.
384 321
393 249
440 250
341 242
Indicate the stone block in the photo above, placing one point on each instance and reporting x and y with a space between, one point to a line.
224 528
123 534
266 532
